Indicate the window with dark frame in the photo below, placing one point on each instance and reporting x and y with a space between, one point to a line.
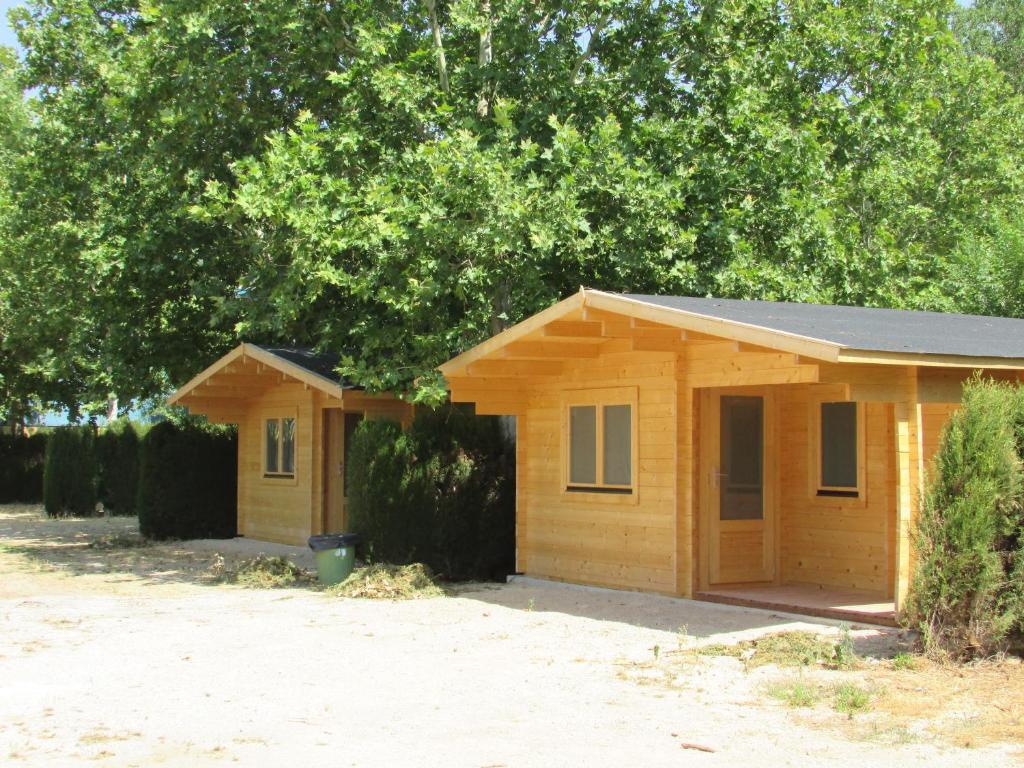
601 448
279 457
839 471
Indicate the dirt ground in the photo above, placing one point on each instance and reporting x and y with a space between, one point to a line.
114 652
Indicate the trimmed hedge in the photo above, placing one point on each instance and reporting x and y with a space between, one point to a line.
69 473
117 459
967 591
188 482
21 468
442 493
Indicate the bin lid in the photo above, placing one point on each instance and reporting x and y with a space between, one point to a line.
333 541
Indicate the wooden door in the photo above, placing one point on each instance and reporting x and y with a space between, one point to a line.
739 489
339 426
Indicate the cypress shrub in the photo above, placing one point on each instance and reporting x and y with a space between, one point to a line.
384 504
117 459
69 473
965 594
21 468
442 493
188 482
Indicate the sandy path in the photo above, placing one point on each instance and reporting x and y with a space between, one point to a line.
110 669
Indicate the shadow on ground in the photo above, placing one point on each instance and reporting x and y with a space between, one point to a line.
113 548
702 622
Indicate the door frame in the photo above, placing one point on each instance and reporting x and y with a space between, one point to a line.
709 459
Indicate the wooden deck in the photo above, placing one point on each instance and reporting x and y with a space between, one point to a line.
826 602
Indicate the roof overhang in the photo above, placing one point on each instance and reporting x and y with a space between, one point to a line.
709 325
265 362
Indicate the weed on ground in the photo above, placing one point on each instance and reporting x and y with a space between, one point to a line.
389 582
264 572
788 649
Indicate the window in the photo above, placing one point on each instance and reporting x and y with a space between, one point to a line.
839 470
600 441
279 448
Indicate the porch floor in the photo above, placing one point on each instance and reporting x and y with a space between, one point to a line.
809 599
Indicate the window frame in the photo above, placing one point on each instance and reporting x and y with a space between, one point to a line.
279 415
599 491
844 495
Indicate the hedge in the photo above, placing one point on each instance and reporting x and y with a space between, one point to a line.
967 590
188 482
442 493
117 459
21 468
69 473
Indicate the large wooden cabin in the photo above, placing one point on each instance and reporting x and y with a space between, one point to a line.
294 417
740 451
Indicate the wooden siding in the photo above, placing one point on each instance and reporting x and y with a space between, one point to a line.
836 542
607 540
276 509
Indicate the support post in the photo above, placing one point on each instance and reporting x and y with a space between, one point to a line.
909 473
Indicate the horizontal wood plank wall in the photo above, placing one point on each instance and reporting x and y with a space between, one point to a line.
606 541
933 419
844 543
274 509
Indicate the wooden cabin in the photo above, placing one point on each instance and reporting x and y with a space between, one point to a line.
294 416
740 451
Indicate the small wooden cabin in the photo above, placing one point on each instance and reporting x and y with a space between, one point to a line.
741 451
294 417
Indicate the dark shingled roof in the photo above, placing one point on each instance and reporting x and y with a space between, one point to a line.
321 363
865 328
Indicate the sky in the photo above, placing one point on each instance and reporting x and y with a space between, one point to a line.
6 33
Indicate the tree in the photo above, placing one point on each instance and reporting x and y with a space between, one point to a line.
396 181
995 28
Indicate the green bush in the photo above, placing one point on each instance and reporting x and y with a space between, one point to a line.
117 460
442 493
21 468
966 589
188 481
69 473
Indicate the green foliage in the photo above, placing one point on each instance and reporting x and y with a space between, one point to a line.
966 590
117 459
188 482
440 494
995 28
69 474
175 193
21 468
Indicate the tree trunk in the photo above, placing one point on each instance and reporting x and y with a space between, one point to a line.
442 62
111 408
484 59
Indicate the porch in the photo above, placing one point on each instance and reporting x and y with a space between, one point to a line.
853 605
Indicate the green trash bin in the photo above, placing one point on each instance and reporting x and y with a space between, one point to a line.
335 556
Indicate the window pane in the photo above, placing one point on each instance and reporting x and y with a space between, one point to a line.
288 446
583 444
742 458
839 445
618 466
271 441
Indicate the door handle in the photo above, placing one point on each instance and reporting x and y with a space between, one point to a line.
716 477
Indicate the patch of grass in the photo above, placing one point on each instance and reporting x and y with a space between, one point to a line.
905 662
850 698
786 649
389 582
264 572
796 692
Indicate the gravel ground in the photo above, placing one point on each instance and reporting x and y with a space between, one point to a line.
135 657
